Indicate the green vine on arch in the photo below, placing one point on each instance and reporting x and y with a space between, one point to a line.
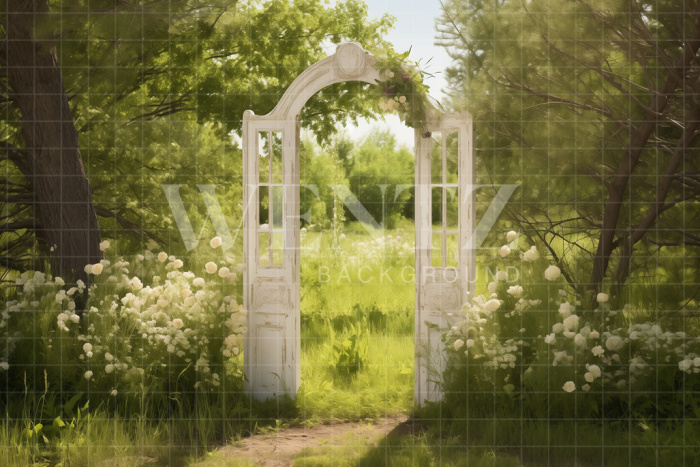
402 89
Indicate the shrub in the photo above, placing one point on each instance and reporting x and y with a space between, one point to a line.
148 328
529 348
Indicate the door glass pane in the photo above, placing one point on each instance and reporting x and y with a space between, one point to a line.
263 207
452 156
264 159
436 250
276 156
277 212
451 193
264 245
452 251
436 200
436 158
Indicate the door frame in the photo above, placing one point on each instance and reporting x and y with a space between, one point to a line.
271 292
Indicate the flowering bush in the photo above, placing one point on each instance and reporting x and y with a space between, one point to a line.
531 345
147 326
403 90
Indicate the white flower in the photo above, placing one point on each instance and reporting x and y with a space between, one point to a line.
210 267
593 373
216 242
87 347
109 357
4 366
597 351
104 245
114 392
586 387
109 368
602 298
458 344
75 318
571 322
492 305
557 328
515 291
223 272
504 251
177 323
552 273
569 386
198 282
88 374
565 309
96 269
510 236
614 343
177 264
579 340
492 287
594 335
136 284
550 339
162 257
685 365
531 254
501 275
402 99
470 343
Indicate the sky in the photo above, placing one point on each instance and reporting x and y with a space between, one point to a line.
415 29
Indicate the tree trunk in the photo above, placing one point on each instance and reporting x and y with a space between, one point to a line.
63 206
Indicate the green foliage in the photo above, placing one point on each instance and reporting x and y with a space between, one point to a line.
321 169
378 173
151 334
402 88
532 348
350 351
378 169
560 92
157 90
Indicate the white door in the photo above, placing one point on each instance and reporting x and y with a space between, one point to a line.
271 249
445 261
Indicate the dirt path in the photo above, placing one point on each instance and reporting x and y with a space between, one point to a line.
282 447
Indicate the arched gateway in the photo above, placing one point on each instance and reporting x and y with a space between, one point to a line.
443 174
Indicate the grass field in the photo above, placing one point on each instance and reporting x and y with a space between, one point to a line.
357 360
364 289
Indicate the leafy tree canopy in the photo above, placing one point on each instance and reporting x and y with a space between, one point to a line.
157 89
592 108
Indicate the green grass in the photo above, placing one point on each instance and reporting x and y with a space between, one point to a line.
363 286
383 387
375 293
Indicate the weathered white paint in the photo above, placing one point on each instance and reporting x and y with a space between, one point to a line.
272 293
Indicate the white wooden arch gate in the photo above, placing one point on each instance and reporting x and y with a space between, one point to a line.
444 221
